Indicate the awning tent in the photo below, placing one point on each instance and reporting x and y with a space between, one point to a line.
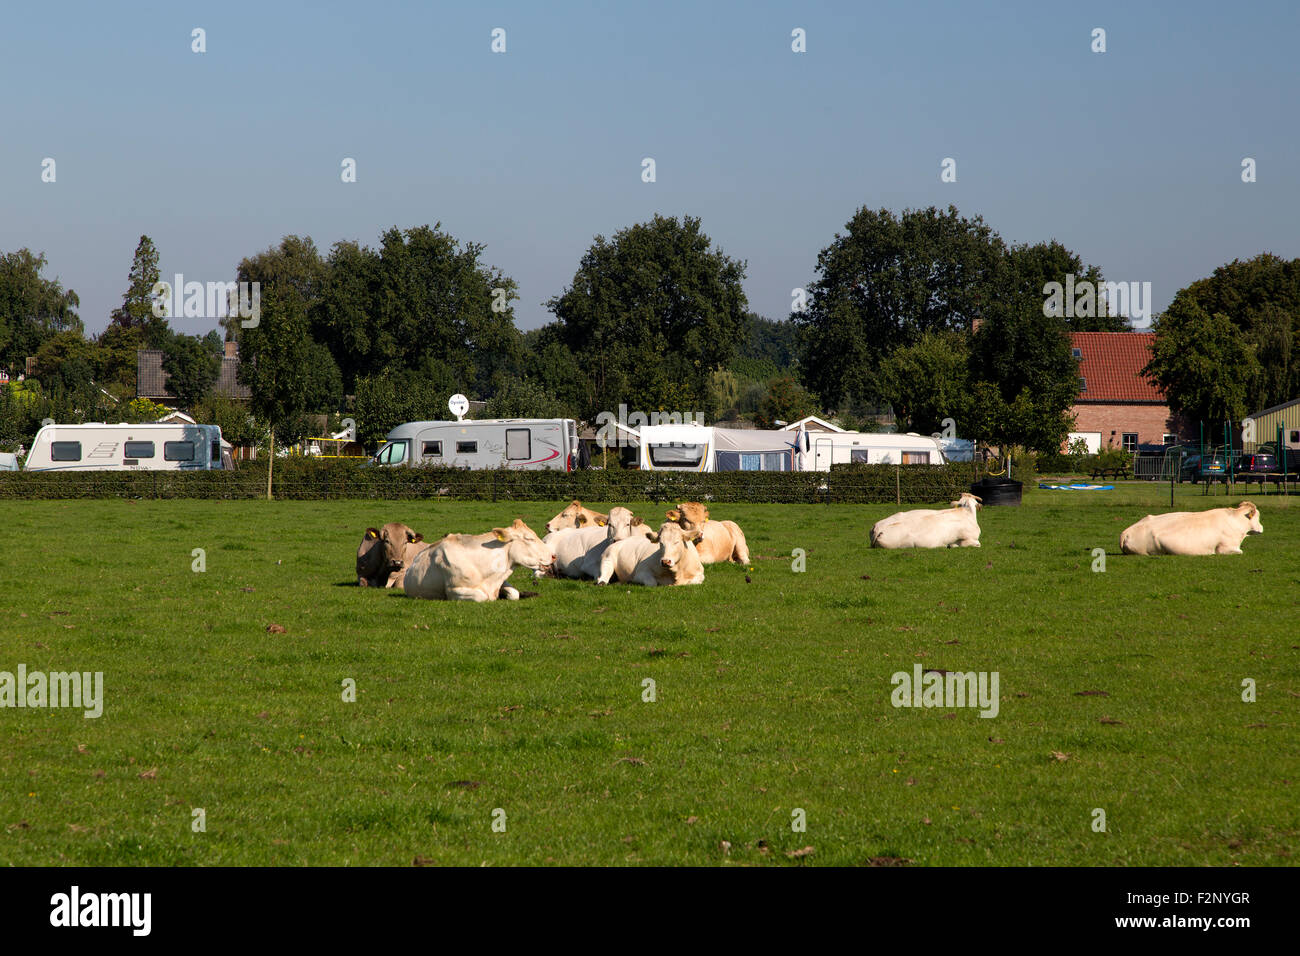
739 449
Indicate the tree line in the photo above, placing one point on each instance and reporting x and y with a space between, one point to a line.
926 313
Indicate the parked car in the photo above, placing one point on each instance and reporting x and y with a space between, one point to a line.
1257 463
1196 467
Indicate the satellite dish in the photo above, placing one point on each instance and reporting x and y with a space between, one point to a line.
459 405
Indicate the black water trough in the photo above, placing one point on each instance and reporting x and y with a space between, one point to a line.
997 491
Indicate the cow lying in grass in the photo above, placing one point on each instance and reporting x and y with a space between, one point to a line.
1217 531
385 554
476 567
720 540
954 527
578 551
665 558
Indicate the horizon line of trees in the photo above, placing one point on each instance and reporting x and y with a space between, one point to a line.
928 313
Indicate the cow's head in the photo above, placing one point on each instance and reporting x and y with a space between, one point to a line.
690 515
623 524
1251 513
673 543
524 547
395 536
967 500
574 516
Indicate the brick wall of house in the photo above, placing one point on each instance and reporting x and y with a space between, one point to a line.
1151 422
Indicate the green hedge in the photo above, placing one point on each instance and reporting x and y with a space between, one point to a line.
311 479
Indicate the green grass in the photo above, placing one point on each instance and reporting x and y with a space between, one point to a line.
772 695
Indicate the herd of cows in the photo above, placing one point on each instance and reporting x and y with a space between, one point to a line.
585 544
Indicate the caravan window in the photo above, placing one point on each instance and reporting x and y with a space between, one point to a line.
858 456
519 444
65 451
467 448
392 454
138 449
916 458
676 456
432 449
178 451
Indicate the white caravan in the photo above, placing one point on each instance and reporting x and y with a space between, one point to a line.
711 448
820 450
534 444
96 446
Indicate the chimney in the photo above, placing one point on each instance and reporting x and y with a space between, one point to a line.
975 325
232 350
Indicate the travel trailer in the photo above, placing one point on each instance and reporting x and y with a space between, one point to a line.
694 447
823 449
534 444
96 446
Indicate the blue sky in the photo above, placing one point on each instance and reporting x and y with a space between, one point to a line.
1132 157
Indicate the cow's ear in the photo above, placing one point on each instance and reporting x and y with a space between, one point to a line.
417 537
653 536
602 522
699 536
637 521
502 534
576 503
371 534
673 514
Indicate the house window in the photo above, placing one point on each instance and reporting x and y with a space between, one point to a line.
178 451
1169 439
519 444
1077 353
1130 441
432 449
1083 384
467 448
65 451
138 449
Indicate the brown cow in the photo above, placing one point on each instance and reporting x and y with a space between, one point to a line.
722 541
576 516
384 554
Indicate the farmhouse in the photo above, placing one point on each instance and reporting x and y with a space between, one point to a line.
1117 406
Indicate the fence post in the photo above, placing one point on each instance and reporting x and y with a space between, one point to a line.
898 489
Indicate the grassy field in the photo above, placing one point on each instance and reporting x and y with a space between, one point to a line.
1119 690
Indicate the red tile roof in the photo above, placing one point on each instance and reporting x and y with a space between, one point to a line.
1112 366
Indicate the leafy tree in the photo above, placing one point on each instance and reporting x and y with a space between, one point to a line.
136 311
549 362
722 393
652 312
32 308
66 361
1025 378
928 381
116 351
192 365
519 398
1205 363
405 395
1037 265
769 340
886 282
1202 364
785 401
141 410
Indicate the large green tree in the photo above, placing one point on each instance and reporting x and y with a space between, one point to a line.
928 381
1229 344
652 312
192 364
32 308
137 308
884 283
1205 363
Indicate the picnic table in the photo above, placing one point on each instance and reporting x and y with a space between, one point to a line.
1120 472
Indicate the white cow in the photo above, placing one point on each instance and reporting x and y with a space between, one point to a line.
475 567
954 527
578 550
666 558
1217 531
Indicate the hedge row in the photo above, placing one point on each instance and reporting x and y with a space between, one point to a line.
306 479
